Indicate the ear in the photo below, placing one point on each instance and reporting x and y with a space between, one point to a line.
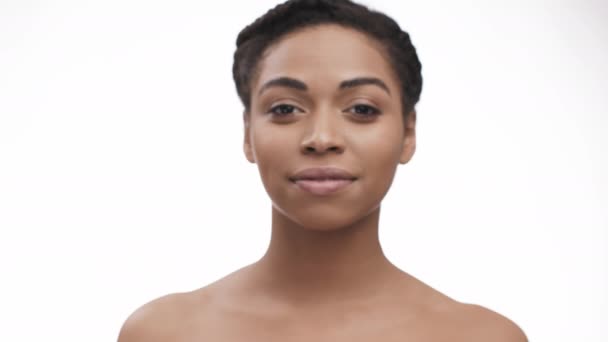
409 138
247 138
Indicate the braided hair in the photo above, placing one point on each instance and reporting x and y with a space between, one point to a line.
293 15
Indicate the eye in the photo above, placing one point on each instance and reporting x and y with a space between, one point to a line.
282 110
365 111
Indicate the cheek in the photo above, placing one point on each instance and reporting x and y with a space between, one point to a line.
272 148
380 157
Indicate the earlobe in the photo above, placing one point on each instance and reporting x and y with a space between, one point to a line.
409 139
409 147
246 141
248 153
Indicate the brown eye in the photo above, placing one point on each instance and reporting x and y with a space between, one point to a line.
365 111
282 110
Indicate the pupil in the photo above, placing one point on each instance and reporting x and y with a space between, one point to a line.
361 109
285 109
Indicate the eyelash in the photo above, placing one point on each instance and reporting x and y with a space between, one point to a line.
375 111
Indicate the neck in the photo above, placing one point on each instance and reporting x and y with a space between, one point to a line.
303 265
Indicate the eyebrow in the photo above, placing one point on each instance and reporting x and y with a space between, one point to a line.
288 82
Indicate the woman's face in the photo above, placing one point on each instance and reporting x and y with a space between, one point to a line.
326 96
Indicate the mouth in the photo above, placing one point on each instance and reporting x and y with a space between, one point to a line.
322 187
322 181
322 174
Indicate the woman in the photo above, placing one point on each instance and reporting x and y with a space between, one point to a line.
329 90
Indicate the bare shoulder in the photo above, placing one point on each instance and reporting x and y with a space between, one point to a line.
459 321
161 319
478 323
152 321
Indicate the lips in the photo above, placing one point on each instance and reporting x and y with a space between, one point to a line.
322 180
323 173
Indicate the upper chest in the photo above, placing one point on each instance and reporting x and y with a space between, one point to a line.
346 326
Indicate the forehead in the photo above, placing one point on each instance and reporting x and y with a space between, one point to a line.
325 55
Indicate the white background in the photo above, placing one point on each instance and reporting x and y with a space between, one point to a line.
122 176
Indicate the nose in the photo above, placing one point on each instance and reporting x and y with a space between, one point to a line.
323 134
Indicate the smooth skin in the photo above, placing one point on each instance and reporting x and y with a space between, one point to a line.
323 96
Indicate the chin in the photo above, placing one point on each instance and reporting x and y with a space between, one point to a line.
325 218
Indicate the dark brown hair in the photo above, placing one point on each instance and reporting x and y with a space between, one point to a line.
293 15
